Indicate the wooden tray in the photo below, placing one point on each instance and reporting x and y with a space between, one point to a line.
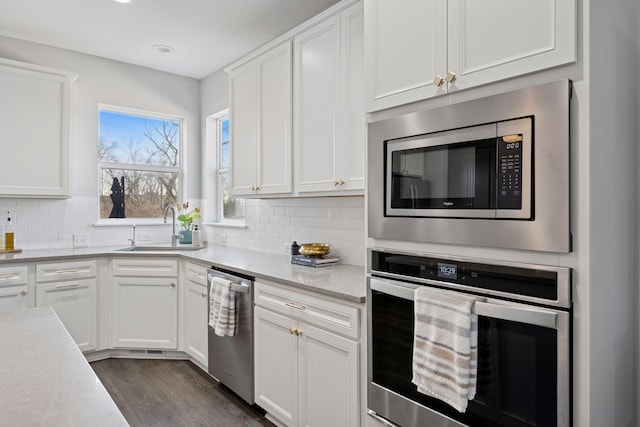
10 251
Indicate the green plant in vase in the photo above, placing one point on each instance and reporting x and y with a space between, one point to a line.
186 218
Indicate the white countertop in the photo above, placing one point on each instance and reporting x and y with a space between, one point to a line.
45 379
341 281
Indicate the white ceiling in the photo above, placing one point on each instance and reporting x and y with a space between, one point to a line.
207 35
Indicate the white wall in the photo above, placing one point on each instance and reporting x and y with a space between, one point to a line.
42 223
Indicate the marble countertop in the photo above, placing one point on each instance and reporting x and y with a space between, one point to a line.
341 281
46 381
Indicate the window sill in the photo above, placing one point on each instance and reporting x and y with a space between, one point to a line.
226 224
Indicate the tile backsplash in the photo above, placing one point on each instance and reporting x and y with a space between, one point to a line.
271 225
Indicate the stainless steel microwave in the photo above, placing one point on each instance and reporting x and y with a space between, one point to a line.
489 172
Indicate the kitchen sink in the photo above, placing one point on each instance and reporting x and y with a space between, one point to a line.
161 247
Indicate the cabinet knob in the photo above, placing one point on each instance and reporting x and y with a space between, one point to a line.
298 332
451 77
292 330
204 295
23 293
335 182
257 188
173 285
341 182
253 188
438 81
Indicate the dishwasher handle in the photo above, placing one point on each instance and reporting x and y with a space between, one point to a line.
237 284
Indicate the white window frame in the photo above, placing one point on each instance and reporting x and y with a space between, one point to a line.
213 158
128 166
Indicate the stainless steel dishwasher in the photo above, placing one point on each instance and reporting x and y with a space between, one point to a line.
231 357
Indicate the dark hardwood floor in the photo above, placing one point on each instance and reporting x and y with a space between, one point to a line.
172 393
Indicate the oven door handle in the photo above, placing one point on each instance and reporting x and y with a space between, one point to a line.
528 315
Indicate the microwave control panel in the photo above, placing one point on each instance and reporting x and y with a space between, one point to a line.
510 172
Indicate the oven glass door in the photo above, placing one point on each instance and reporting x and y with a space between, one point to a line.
517 366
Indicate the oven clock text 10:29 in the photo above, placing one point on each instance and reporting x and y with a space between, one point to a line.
447 271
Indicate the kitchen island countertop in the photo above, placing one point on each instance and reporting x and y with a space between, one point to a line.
46 381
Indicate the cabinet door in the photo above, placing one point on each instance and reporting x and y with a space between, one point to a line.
196 310
274 121
406 47
35 118
75 304
350 161
328 379
13 298
316 103
490 40
243 118
276 366
144 312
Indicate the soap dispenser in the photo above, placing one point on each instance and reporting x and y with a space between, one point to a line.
196 237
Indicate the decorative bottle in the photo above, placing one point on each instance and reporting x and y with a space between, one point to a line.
9 234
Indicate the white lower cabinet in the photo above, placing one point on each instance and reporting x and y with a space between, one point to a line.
195 308
13 298
14 288
75 304
305 375
70 288
144 305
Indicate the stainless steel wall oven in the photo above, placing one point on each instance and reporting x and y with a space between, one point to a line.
489 172
524 342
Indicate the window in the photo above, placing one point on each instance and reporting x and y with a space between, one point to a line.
230 209
139 163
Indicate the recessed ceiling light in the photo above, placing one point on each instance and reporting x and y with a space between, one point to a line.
163 48
123 1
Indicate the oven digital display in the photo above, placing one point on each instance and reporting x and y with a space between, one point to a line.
447 271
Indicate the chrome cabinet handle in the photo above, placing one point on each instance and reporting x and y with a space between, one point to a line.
292 305
68 271
68 285
438 81
199 276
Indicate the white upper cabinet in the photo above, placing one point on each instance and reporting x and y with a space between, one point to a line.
329 120
416 49
35 118
260 117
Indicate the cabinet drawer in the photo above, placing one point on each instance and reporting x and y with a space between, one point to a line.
196 273
145 267
65 271
331 315
10 276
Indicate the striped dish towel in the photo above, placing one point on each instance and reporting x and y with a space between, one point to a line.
445 347
222 307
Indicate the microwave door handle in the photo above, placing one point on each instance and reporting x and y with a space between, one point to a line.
530 315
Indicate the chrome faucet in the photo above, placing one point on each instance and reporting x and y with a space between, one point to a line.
174 236
133 240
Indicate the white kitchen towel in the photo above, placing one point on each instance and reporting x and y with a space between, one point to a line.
445 347
222 307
